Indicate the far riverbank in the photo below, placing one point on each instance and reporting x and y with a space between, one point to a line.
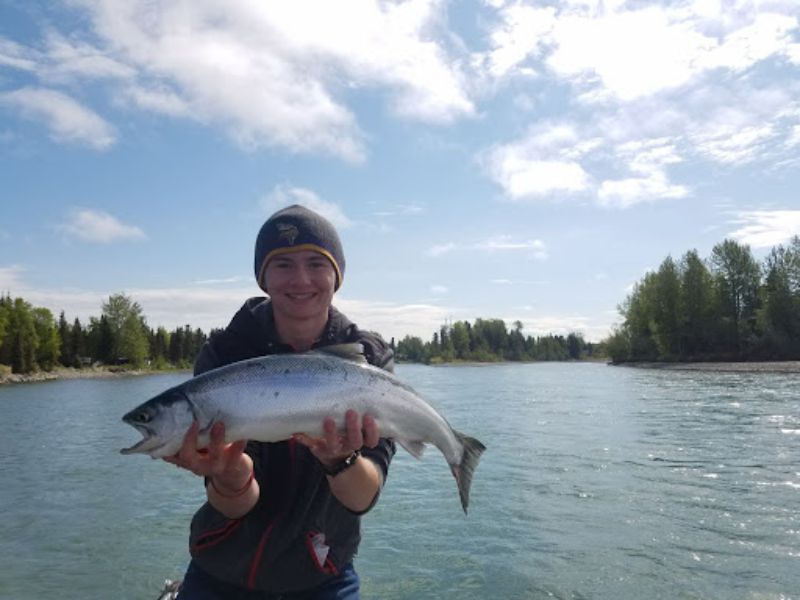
788 366
68 373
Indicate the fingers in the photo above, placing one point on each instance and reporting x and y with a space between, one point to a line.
212 460
358 432
216 445
355 438
189 447
371 432
237 448
307 440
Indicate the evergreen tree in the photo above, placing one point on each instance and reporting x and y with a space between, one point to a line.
101 340
176 346
638 310
460 339
411 348
516 343
575 345
665 318
5 318
48 342
160 344
66 357
78 349
738 280
779 317
198 340
696 307
20 343
132 341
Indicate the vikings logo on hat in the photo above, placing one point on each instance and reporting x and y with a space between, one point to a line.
288 232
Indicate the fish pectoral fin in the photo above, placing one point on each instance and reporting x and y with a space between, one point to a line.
353 352
414 448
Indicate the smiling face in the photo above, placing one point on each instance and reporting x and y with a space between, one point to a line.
301 286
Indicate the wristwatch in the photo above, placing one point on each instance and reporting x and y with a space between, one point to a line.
341 466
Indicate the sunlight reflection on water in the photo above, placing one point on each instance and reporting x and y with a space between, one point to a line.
598 482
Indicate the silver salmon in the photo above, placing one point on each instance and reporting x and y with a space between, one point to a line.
270 398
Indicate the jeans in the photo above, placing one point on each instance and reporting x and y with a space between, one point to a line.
199 585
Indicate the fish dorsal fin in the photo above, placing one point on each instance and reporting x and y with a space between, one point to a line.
353 351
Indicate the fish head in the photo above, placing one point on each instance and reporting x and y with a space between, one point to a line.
163 422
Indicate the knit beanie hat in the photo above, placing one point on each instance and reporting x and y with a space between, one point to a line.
294 229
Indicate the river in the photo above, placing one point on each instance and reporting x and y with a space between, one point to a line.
598 482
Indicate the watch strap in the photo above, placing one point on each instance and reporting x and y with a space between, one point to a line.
342 466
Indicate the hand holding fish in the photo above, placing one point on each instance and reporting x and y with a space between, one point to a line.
272 398
226 465
358 485
333 447
217 460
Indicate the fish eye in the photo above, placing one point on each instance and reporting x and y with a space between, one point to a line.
142 417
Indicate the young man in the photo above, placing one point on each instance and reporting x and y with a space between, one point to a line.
282 520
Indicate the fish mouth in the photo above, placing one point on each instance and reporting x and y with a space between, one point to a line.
147 444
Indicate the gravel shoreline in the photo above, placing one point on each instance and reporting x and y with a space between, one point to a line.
788 366
65 373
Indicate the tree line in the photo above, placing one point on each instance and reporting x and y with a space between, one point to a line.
31 339
489 340
728 307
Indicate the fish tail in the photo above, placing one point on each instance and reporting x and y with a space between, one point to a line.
464 470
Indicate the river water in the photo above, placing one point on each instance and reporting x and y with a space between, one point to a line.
598 482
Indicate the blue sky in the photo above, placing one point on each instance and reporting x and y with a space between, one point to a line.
519 160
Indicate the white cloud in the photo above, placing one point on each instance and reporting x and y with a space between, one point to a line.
535 248
769 34
521 33
439 290
592 329
630 53
161 100
222 280
285 195
613 51
532 178
648 160
502 243
67 119
623 193
99 227
504 281
793 139
401 210
16 56
212 307
541 163
725 142
269 74
441 249
395 320
792 52
203 307
10 278
632 124
766 228
65 59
